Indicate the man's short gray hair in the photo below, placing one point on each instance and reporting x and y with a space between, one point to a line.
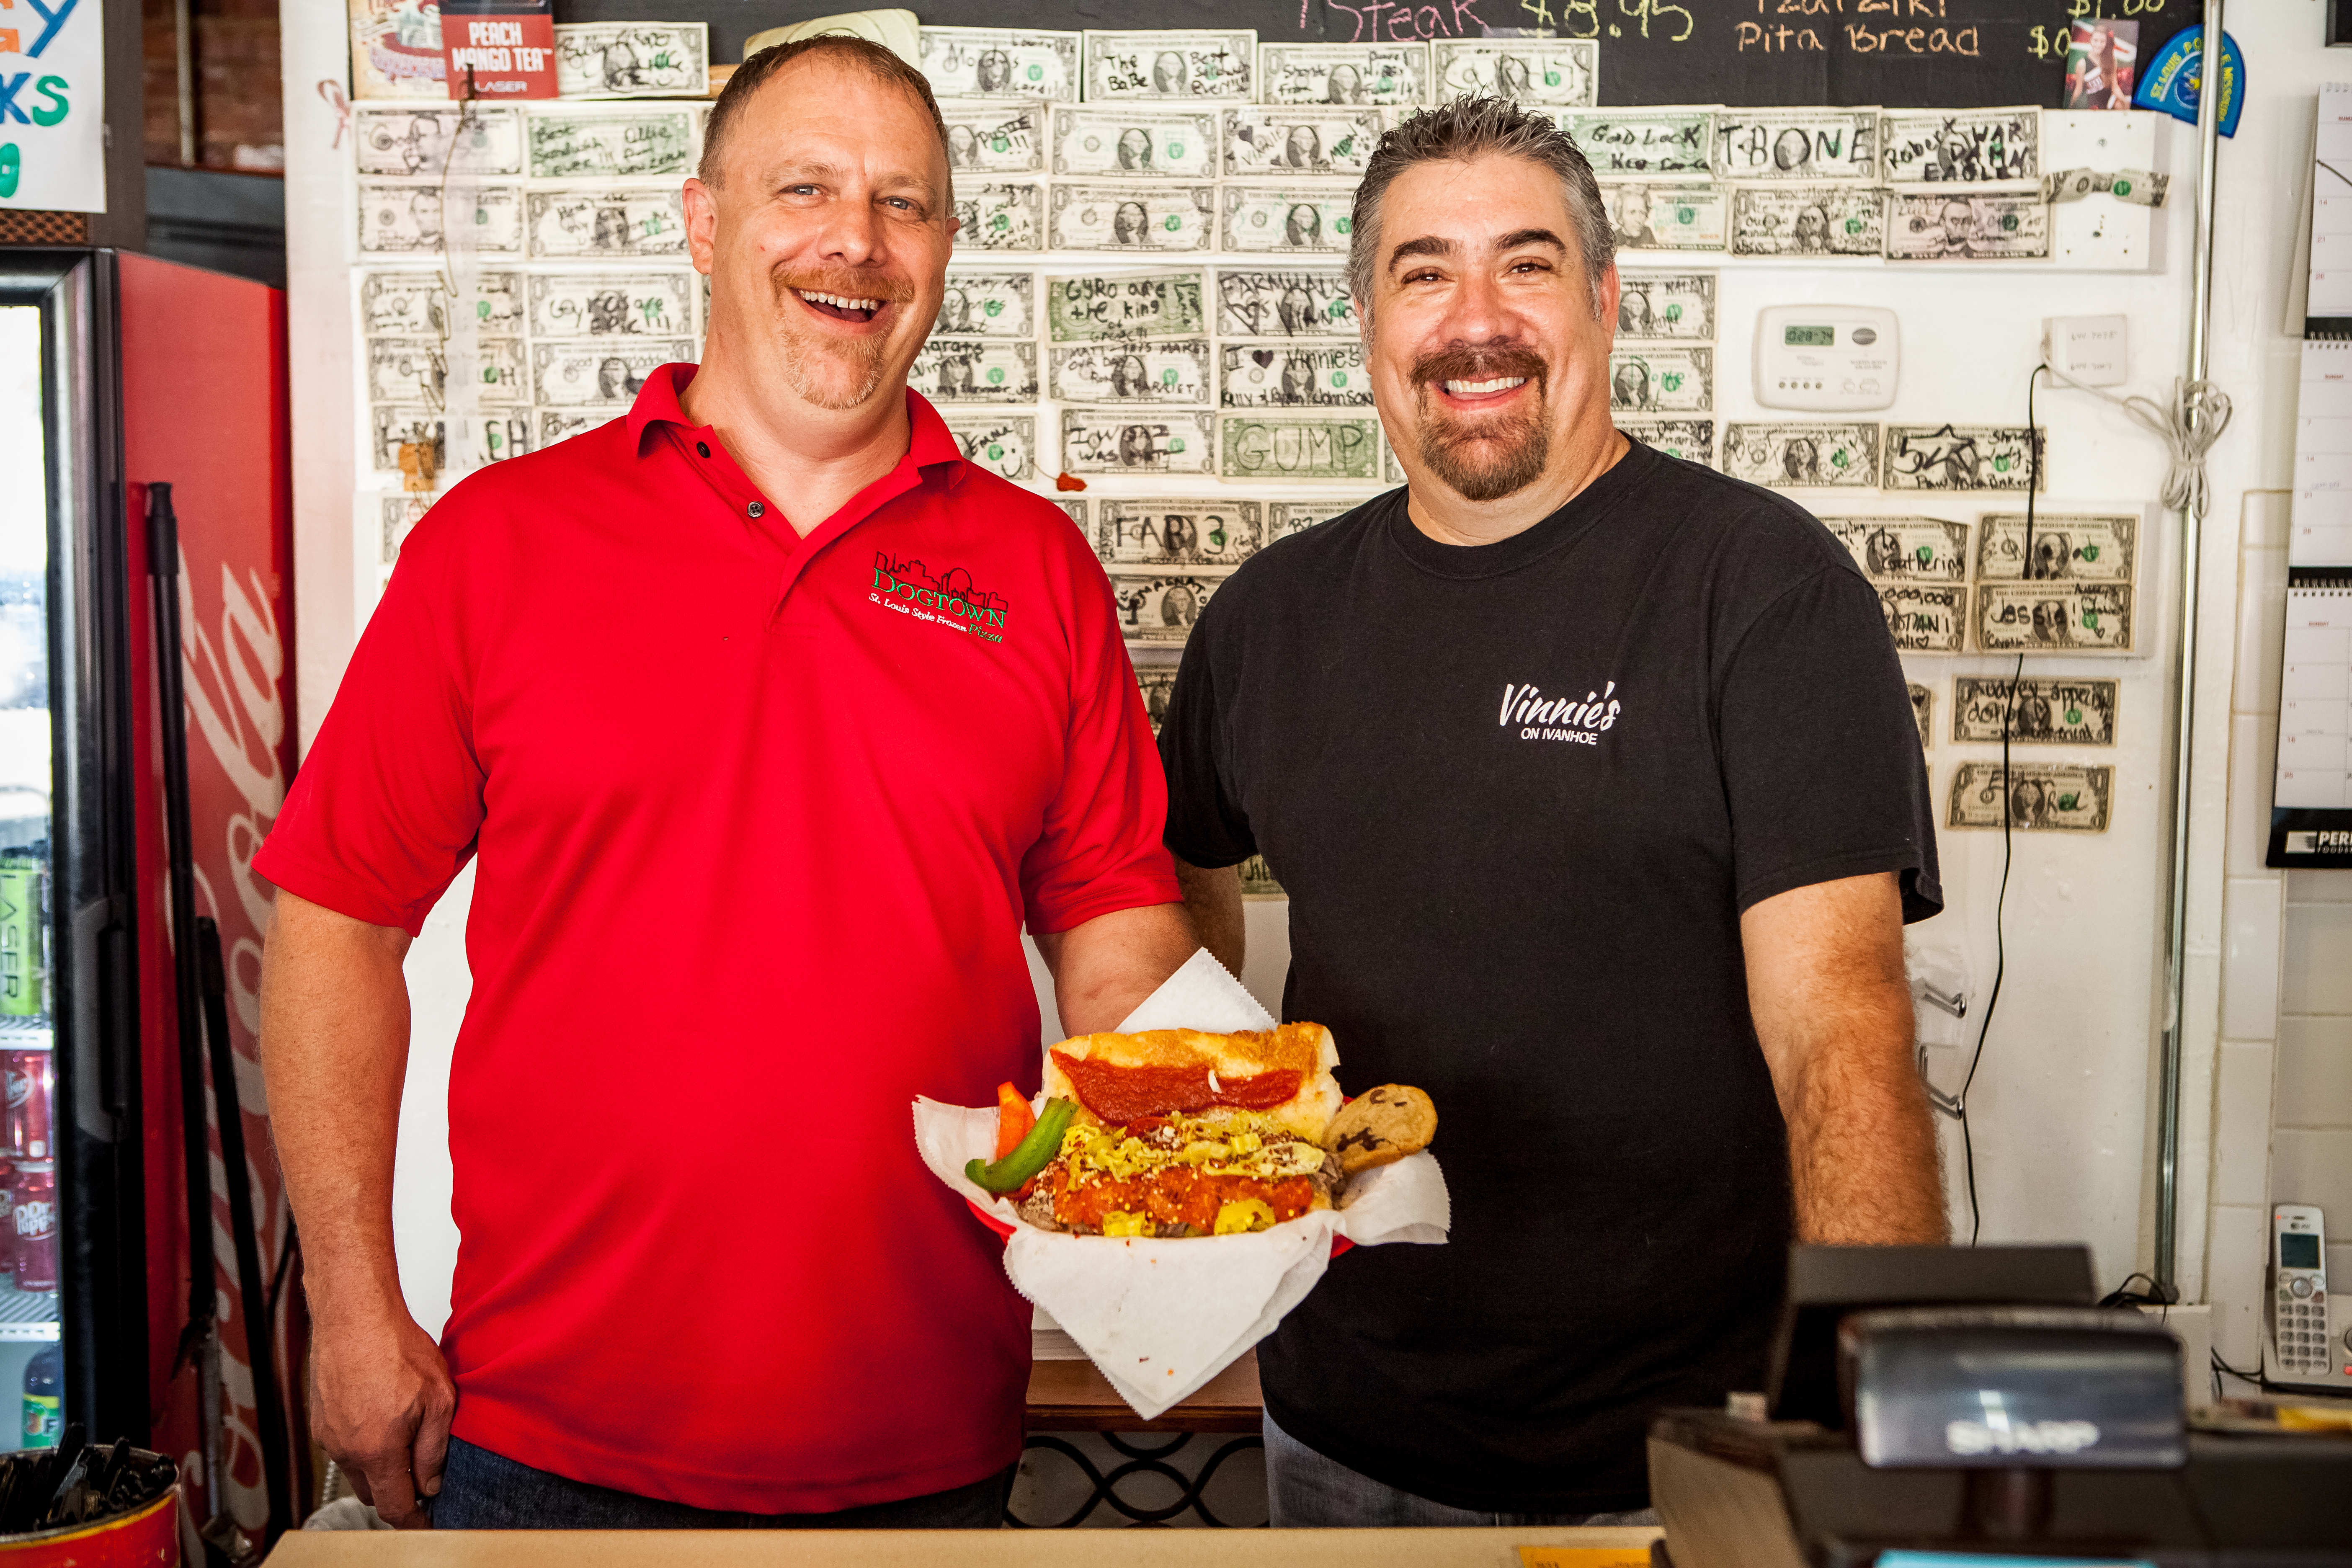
1458 132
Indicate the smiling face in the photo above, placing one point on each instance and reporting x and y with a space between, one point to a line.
827 237
1488 362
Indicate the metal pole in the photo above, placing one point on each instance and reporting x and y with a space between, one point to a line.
2201 308
183 49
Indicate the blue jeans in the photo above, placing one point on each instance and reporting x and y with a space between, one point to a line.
483 1491
1306 1489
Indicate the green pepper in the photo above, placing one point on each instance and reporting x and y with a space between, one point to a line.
1029 1156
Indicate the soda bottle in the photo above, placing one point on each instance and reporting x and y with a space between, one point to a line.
34 1207
44 1398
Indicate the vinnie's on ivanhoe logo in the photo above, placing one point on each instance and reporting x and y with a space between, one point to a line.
949 599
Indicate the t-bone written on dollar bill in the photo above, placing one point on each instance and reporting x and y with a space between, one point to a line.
975 370
2064 797
1296 302
1665 306
1136 142
991 62
1299 446
1807 220
1958 226
1136 218
1190 531
632 59
1960 146
1802 457
1172 371
1288 218
1668 143
1004 216
1905 549
456 138
1154 610
1293 376
1003 443
610 305
989 305
1797 146
1669 218
1136 305
2087 548
1273 141
995 136
1962 457
1117 441
1925 618
2055 617
1346 74
1646 379
2036 711
1199 63
1536 72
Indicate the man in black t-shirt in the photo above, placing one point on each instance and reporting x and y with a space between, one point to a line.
1594 784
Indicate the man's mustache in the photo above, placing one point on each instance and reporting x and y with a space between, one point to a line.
1480 362
849 283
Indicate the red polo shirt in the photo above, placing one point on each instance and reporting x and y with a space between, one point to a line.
757 821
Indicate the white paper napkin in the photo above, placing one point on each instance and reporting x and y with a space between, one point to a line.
1161 1318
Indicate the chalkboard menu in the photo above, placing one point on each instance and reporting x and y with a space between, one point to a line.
1928 53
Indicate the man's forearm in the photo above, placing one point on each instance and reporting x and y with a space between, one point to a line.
1104 969
1213 899
1862 1142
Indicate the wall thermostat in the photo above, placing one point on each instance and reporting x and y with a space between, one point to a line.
1825 358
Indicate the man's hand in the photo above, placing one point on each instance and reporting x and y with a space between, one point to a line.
1213 899
1106 967
1833 1009
381 1401
334 1049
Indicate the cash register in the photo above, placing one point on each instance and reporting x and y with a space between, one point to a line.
1937 1406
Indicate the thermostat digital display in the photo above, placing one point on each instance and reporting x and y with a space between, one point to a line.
1826 358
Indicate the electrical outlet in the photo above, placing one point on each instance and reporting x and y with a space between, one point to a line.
2088 348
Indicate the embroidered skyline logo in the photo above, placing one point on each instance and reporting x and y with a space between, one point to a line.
950 599
1541 718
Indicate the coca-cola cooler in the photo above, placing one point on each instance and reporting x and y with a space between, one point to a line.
118 372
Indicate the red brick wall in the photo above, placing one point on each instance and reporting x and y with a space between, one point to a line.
239 121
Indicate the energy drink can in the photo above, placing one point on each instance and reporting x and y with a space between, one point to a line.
23 923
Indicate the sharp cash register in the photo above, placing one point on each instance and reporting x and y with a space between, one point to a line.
1932 1407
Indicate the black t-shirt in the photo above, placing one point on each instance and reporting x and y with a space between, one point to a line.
1519 795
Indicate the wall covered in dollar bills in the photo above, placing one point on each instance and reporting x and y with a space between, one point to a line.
1146 298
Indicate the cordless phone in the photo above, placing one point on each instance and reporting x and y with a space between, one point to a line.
2304 1345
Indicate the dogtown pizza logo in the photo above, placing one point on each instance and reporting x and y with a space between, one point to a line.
1541 718
950 599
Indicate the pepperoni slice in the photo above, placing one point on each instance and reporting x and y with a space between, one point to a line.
1121 1094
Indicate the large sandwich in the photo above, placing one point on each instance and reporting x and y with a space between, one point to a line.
1176 1133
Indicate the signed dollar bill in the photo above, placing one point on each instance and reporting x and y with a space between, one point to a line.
562 424
1158 683
430 141
1807 220
1925 618
1136 142
1669 218
1138 305
1076 510
632 59
1797 146
1802 457
607 305
1003 443
591 374
1299 446
1960 146
417 304
1293 376
1676 307
396 515
1381 75
1257 880
1277 142
1923 711
406 370
1958 226
1158 609
1656 143
1291 219
1963 458
602 145
1174 370
1905 549
406 220
1292 302
2036 711
489 437
2063 797
597 225
1285 518
2137 187
1131 217
989 305
1196 63
1115 441
995 136
1692 440
1654 379
990 62
1554 72
2055 617
2085 547
1184 532
975 370
1010 215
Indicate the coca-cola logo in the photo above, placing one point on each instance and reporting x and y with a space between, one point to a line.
37 1218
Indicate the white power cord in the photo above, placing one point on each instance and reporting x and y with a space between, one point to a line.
2199 413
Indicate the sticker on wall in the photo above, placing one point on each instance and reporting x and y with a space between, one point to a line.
2172 79
53 107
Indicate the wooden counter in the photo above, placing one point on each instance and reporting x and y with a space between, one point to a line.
1072 1396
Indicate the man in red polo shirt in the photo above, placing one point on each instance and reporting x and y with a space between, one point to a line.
767 721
